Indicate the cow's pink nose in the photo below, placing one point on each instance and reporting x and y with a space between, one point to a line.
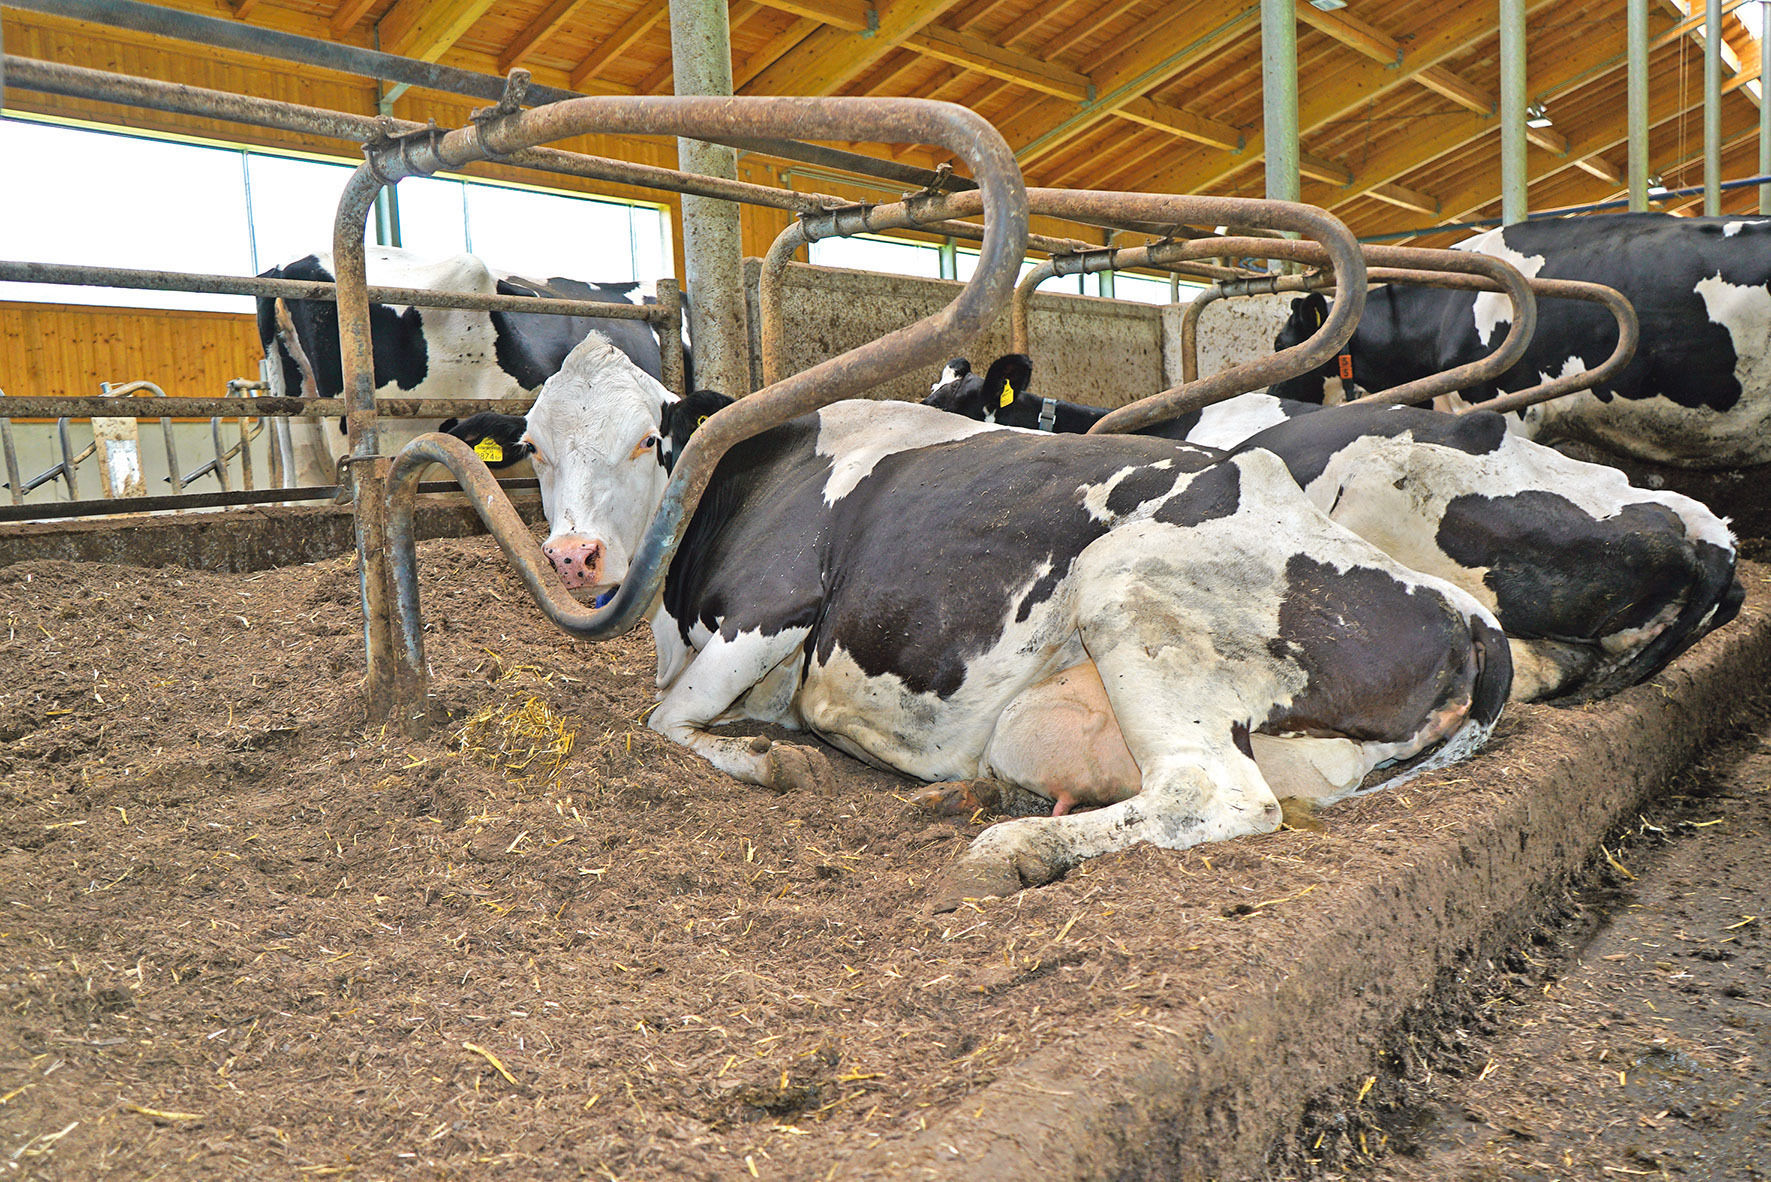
578 559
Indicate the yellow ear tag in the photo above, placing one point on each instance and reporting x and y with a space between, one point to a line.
488 450
1008 395
702 421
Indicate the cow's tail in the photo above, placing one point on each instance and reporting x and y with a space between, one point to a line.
1714 598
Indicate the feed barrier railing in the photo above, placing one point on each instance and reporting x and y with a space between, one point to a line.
384 486
1329 239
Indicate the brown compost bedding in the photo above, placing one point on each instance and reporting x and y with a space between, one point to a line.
245 934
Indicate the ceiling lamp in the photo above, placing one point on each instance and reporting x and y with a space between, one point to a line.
1536 116
1327 5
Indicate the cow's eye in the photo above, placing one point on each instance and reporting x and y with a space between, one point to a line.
649 443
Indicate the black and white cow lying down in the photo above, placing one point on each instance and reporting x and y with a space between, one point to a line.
1598 584
1003 396
433 352
1696 394
1178 637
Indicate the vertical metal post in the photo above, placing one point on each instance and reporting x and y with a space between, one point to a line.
701 56
387 201
1764 106
949 263
1712 108
367 474
1279 98
1513 205
1638 104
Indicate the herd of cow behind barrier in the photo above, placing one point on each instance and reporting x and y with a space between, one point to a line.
1150 637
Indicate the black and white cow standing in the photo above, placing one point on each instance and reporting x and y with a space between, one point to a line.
1696 394
1597 584
433 352
1111 620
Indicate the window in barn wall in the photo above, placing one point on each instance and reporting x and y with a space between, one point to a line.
543 234
103 198
98 199
433 216
893 256
292 203
1061 284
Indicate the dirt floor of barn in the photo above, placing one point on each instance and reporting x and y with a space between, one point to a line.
244 934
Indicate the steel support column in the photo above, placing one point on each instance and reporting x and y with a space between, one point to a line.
1764 107
1712 108
1638 104
701 55
1512 112
1279 98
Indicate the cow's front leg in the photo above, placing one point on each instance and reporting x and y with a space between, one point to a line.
711 688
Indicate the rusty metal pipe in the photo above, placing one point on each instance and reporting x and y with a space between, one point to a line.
300 289
103 86
1304 357
923 210
85 406
896 120
1629 335
1233 288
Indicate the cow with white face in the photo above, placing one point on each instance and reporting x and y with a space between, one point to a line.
431 352
1117 621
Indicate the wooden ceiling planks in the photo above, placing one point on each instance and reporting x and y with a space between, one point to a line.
1397 99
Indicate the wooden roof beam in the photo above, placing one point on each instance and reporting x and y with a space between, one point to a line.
770 53
1324 170
1602 168
243 8
642 21
1402 198
830 58
1348 91
1471 98
975 53
1185 124
427 29
1379 46
539 29
1432 139
854 16
1135 64
349 17
1600 136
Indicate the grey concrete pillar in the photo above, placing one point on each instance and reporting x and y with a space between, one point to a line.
1638 104
1712 108
701 55
1764 107
1512 111
1279 98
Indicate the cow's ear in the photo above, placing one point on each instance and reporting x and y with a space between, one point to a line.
496 438
683 417
1008 378
1310 310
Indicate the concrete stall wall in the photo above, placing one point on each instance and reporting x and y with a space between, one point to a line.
1230 332
1103 352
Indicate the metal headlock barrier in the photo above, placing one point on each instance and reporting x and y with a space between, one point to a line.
384 486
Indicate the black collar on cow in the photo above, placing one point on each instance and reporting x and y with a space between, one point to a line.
1048 414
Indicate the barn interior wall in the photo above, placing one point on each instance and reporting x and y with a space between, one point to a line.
1103 352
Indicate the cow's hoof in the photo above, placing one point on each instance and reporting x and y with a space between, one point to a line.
962 798
955 798
793 768
992 876
1298 813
